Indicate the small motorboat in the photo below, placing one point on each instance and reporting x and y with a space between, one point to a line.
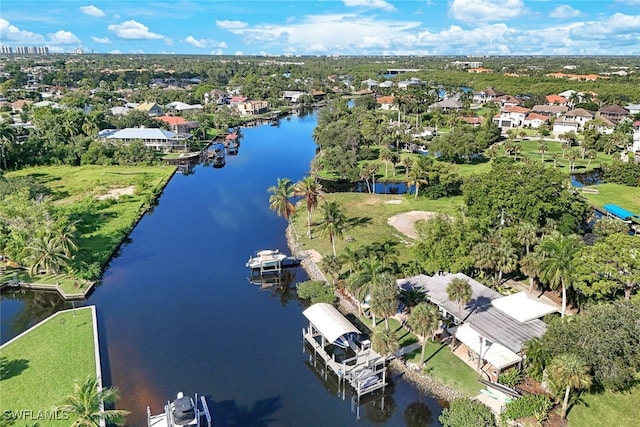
183 411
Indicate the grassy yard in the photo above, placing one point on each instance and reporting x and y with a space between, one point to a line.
621 195
371 212
441 364
99 233
39 368
604 409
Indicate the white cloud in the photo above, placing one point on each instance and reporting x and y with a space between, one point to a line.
486 10
370 4
231 25
92 11
134 30
203 43
238 53
564 11
11 33
101 40
64 37
216 52
115 52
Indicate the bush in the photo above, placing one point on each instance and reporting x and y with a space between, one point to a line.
466 412
533 405
316 291
511 378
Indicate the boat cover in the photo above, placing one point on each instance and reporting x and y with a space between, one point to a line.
329 321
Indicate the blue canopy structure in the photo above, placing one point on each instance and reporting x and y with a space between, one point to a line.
619 212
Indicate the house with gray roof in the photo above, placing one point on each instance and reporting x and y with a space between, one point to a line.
502 323
154 138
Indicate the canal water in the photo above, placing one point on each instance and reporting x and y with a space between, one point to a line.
177 312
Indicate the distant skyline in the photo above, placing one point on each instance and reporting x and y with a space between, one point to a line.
325 27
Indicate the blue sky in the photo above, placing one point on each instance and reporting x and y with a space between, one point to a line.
326 27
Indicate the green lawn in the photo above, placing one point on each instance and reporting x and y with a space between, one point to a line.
607 409
372 212
621 195
447 368
39 368
99 234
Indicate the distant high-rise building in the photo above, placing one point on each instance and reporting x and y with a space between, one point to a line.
6 49
28 50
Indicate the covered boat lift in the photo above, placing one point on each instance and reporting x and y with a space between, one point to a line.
620 213
365 370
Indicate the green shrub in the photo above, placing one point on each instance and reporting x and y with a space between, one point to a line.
511 378
536 405
316 291
466 412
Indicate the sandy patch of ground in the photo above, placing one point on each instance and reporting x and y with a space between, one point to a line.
405 222
314 255
117 192
394 202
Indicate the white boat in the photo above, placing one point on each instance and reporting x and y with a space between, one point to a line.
268 259
184 411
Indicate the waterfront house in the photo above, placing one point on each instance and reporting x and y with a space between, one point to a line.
178 107
179 124
154 138
292 96
491 326
252 108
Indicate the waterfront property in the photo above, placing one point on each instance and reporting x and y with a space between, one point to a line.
344 351
41 365
271 261
492 327
154 138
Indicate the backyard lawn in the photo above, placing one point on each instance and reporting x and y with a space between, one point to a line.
605 409
40 367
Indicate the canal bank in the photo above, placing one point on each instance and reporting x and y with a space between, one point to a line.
398 367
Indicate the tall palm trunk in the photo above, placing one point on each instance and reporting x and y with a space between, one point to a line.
309 224
565 402
564 299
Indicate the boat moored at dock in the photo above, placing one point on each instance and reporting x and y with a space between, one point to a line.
183 411
271 261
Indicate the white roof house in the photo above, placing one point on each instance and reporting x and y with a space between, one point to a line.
155 138
181 106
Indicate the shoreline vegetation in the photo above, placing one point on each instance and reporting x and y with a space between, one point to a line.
120 196
425 383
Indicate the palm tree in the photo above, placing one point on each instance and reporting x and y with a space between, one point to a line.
46 253
459 290
527 235
537 359
351 257
542 148
384 298
334 223
417 177
412 297
309 189
87 404
279 200
369 272
530 265
424 320
384 341
407 162
385 156
558 264
568 371
332 265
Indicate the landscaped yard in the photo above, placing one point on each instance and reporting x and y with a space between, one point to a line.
621 195
372 212
39 368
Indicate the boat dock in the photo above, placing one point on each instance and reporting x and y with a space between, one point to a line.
196 410
271 261
353 361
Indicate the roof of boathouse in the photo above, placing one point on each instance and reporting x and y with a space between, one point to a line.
329 321
480 313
